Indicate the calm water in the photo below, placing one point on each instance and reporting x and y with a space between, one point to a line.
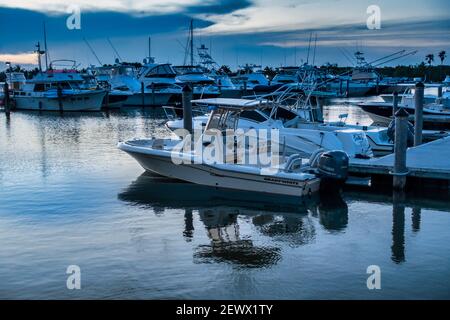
69 197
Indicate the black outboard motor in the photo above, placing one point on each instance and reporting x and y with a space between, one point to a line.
332 167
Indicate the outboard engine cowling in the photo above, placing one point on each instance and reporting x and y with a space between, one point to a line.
332 167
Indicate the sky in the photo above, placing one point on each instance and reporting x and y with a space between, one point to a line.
263 32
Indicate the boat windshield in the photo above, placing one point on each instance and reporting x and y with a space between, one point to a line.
223 119
161 71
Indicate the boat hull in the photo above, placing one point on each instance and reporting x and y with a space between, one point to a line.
91 101
207 175
150 99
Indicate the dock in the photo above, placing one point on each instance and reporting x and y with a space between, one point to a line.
428 163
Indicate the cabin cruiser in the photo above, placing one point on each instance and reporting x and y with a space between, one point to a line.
58 90
298 136
231 168
153 85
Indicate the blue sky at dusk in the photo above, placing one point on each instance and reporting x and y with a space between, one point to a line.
249 31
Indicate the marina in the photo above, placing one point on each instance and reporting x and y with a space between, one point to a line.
46 225
188 151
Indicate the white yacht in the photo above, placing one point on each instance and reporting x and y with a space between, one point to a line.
291 176
154 84
58 90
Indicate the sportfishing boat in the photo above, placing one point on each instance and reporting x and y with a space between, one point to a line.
227 89
58 90
291 176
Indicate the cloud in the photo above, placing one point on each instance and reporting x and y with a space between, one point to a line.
136 7
412 34
18 58
209 7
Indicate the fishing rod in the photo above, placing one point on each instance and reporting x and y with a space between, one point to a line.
402 56
388 56
112 46
93 52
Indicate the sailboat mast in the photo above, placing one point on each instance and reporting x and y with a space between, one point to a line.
315 47
38 51
192 41
309 48
149 48
45 48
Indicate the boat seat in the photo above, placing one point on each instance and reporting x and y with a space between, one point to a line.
293 163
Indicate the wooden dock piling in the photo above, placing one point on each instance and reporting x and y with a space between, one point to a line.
395 103
418 114
187 108
143 94
400 146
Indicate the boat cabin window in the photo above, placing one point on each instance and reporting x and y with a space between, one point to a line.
281 114
55 85
39 87
253 115
163 71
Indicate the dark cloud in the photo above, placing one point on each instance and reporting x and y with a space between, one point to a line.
219 6
22 28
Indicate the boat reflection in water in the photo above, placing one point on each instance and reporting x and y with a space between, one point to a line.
224 211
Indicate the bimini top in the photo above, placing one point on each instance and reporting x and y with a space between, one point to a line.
230 103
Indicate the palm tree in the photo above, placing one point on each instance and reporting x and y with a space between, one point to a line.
429 58
442 55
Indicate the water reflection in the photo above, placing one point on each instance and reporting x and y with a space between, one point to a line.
434 200
398 227
222 212
227 245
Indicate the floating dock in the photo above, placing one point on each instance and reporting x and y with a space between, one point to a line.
428 163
